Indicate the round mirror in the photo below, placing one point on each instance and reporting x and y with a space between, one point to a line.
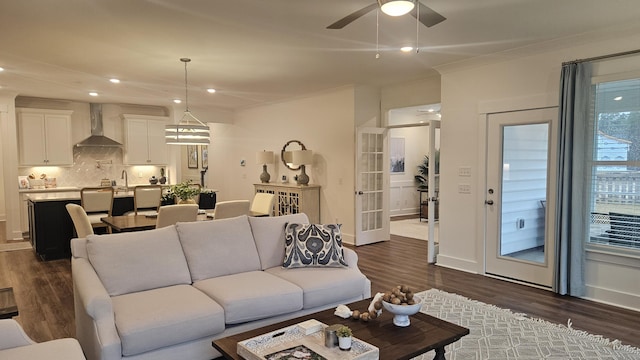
285 153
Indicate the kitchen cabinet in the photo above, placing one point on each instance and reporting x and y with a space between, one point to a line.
293 199
144 139
44 137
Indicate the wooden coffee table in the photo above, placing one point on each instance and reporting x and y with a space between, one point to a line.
395 343
8 307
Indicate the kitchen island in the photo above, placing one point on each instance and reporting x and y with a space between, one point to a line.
50 225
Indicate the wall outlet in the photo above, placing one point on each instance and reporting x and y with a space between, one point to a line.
519 223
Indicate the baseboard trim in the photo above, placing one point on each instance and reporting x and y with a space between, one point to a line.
456 263
612 297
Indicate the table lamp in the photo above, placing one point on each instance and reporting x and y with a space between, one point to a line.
264 157
302 158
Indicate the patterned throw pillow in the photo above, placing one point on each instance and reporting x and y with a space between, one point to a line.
313 245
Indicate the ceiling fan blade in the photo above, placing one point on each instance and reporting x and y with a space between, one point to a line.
352 17
427 16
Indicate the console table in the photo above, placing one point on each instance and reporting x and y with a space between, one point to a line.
293 199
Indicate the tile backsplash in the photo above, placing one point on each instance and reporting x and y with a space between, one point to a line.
91 165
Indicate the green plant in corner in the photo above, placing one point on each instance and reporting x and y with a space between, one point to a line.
185 190
344 331
423 171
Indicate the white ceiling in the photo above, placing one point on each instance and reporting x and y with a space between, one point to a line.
257 51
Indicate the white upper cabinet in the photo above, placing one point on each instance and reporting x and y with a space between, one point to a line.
144 139
44 137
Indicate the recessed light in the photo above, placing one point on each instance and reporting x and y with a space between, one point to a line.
430 110
617 98
406 48
114 80
177 101
93 93
211 90
1 69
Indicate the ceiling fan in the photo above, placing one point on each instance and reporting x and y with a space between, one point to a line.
423 13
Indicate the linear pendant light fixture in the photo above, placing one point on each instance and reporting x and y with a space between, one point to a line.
190 130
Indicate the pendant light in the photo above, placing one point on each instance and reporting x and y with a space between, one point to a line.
190 130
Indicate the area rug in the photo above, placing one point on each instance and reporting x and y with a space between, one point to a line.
500 334
412 228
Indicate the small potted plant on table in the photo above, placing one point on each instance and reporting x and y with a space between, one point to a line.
344 337
185 192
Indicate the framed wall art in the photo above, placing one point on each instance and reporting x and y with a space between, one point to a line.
204 155
396 154
192 156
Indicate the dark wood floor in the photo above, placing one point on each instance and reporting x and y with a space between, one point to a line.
45 300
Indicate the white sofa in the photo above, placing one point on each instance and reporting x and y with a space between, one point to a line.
167 293
16 345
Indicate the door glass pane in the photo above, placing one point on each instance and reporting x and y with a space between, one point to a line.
525 157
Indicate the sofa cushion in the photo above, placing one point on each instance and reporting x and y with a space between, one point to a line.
268 233
163 317
322 286
138 261
218 247
252 295
313 245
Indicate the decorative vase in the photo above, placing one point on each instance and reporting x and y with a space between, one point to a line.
153 180
186 201
163 180
344 343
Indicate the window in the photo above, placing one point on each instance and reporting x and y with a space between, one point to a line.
615 165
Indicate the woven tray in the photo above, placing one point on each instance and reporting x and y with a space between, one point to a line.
257 348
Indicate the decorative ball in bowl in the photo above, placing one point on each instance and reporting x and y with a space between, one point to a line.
401 312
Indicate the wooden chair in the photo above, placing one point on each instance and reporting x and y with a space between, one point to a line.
262 204
81 221
146 200
171 214
97 202
229 209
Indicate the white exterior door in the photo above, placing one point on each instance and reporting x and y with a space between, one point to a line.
521 148
371 187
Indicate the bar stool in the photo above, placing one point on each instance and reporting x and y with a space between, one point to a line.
97 203
146 200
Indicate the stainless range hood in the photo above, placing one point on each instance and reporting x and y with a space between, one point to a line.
97 137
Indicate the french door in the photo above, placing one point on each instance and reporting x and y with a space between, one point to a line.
372 170
521 148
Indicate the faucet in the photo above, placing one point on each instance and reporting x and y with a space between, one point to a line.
126 180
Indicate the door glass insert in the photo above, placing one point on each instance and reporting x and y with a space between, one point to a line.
525 157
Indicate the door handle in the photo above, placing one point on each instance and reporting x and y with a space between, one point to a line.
488 202
359 193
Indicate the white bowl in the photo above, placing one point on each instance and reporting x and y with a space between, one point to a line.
401 312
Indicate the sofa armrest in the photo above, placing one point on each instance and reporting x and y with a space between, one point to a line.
350 256
95 319
12 335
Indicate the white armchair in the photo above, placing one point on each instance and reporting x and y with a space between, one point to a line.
16 345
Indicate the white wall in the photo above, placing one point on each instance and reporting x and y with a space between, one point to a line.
524 81
404 197
324 123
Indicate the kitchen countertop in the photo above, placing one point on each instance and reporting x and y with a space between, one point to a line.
69 195
49 190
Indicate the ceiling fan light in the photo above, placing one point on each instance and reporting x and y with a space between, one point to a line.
396 7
